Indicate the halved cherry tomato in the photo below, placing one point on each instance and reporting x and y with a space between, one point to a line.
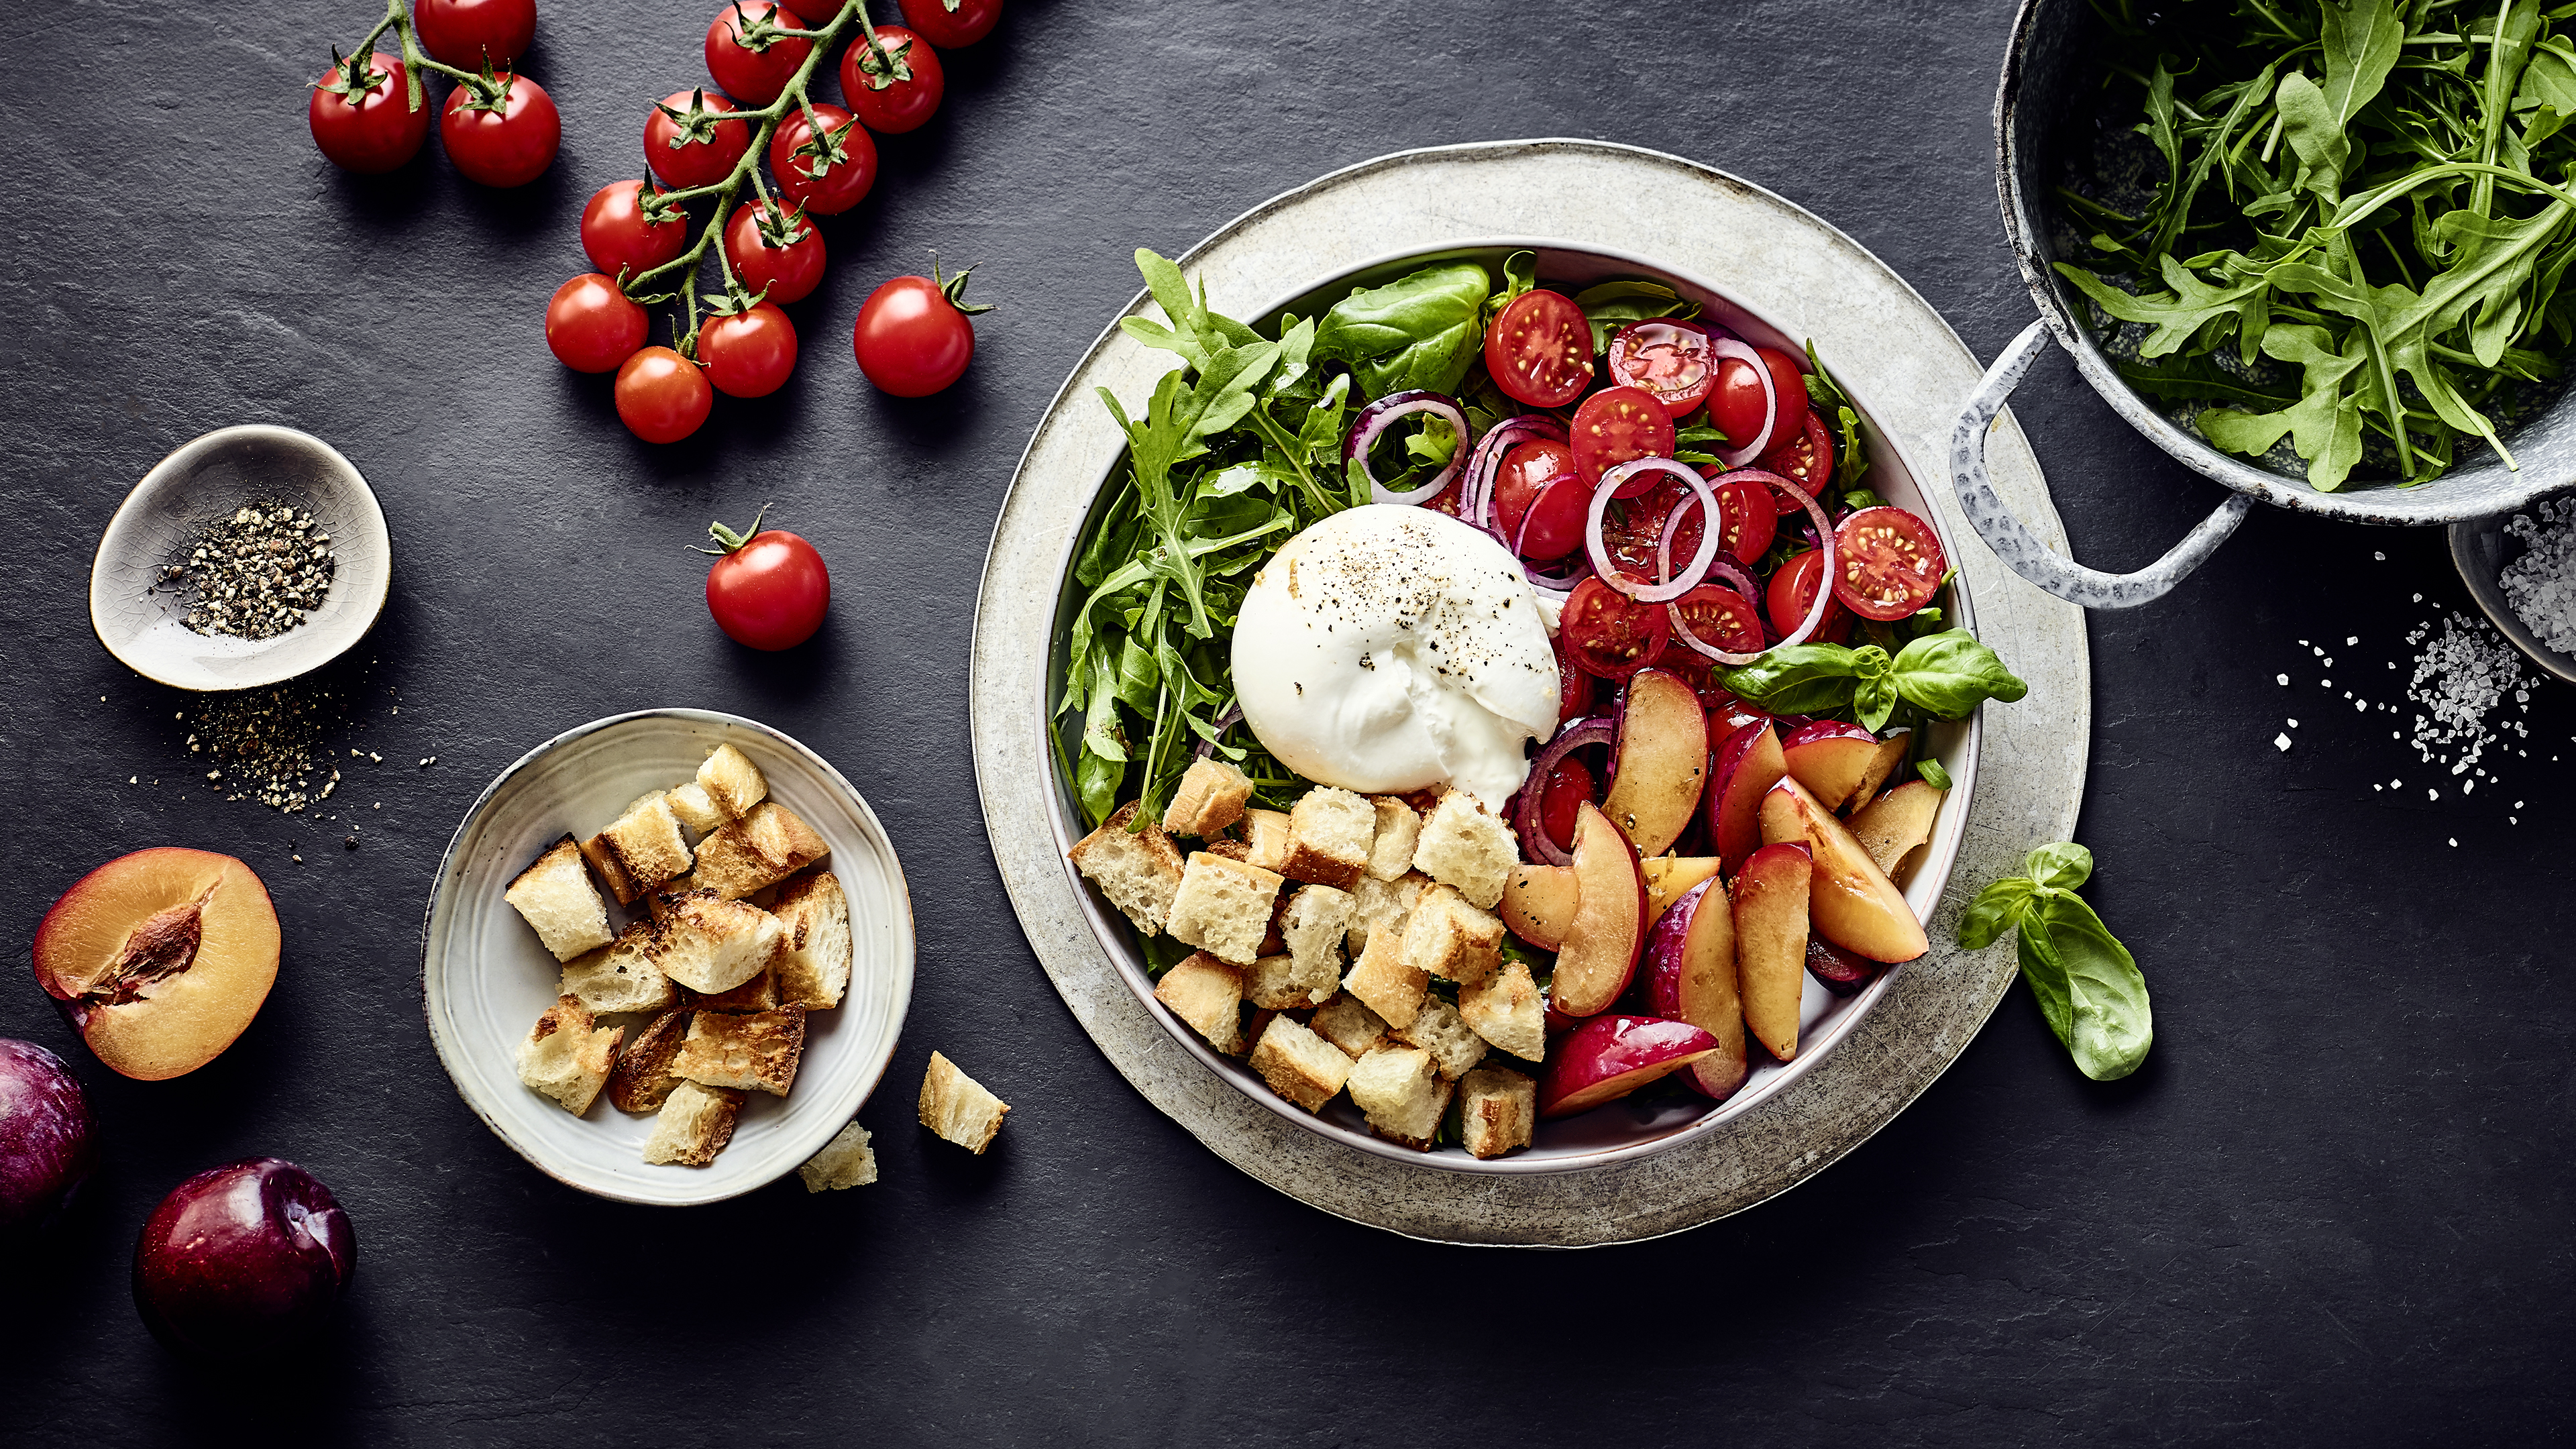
771 246
618 238
826 176
1568 789
1747 519
1722 618
1735 407
1806 460
687 148
746 55
1540 350
1889 561
1793 590
1616 425
1541 472
1632 528
897 90
1608 634
1669 359
1573 688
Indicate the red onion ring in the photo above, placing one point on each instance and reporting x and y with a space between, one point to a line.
1224 722
1824 594
1553 583
1666 588
1731 347
1476 504
1525 806
1378 416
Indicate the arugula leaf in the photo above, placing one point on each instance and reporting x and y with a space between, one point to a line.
1419 331
2087 984
2361 44
1613 305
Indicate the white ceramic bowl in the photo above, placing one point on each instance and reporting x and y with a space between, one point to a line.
205 480
485 979
1618 1131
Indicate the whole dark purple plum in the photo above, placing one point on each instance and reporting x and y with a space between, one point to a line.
243 1261
46 1143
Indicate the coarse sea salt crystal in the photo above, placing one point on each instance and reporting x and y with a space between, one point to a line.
2285 679
2282 742
2541 585
2461 676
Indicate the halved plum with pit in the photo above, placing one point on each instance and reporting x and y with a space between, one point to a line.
160 959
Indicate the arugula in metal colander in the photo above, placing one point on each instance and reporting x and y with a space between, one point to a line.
2359 227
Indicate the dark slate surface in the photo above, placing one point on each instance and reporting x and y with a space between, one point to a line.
2331 1208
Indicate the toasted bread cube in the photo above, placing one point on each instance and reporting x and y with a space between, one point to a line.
1507 1011
732 782
1346 1022
1401 1093
641 1081
554 895
1497 1108
1223 906
698 814
756 1053
620 976
760 993
1438 1029
814 968
640 849
1312 927
1265 836
1209 798
1207 994
1270 983
1399 829
845 1161
1138 871
1448 938
1329 834
695 1124
1382 980
711 945
759 850
1377 902
1299 1065
567 1056
957 1107
1463 847
1230 848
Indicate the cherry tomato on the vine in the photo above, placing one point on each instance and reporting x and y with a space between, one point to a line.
507 140
826 175
1540 475
746 55
1806 459
949 24
467 33
774 248
1890 563
1793 590
1608 634
1617 425
591 326
686 145
1669 359
895 85
1539 350
912 337
750 353
362 117
662 397
617 237
815 13
1736 404
769 590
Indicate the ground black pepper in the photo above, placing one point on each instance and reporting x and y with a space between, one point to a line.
256 574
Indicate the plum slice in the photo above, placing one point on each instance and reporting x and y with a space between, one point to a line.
1891 754
1838 970
1608 927
1690 975
1890 827
1830 758
1855 905
1748 764
1608 1057
1661 767
1670 877
1771 903
1539 902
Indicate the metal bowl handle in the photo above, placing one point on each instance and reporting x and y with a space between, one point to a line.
2027 556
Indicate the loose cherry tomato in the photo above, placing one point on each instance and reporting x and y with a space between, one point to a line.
1618 424
591 326
1736 406
949 24
362 117
1806 460
1569 787
750 353
1793 590
775 248
1573 689
912 336
506 140
686 145
662 397
746 55
1890 563
467 33
1541 472
1722 619
829 175
618 237
894 86
1747 519
1539 350
767 591
1608 634
1669 359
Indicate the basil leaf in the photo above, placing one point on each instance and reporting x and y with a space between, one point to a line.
2108 1023
2063 866
1520 274
1997 909
1419 331
1613 305
1932 773
1799 679
2045 970
1949 674
1873 701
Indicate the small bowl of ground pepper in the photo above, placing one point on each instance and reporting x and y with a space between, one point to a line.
251 555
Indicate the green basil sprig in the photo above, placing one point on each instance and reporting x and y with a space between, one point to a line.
2087 983
1945 675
